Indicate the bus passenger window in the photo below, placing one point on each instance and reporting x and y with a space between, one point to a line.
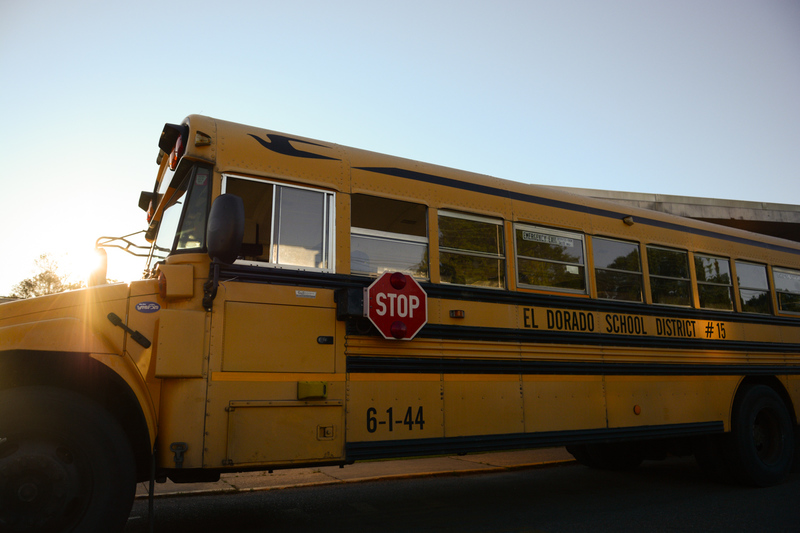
714 282
471 250
787 285
388 236
617 269
284 225
753 287
669 276
548 258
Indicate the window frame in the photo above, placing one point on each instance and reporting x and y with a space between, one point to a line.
714 284
391 236
687 280
522 226
740 288
184 199
328 216
640 272
778 292
500 256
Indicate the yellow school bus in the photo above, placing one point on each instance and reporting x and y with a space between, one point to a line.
272 330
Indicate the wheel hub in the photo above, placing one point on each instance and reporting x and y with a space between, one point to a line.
40 485
767 437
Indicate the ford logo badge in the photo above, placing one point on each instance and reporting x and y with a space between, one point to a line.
147 307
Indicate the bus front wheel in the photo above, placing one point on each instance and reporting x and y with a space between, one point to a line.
762 437
66 464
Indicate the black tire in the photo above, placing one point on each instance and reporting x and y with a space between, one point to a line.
65 464
581 454
710 454
762 437
608 456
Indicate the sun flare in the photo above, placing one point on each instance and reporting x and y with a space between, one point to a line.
79 264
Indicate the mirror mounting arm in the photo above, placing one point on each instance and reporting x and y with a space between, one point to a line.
211 285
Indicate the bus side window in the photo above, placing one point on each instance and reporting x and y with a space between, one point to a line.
714 282
471 250
388 236
787 285
753 287
257 198
548 258
669 276
618 269
284 225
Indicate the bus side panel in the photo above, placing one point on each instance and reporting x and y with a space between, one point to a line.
669 400
394 407
284 432
482 405
563 403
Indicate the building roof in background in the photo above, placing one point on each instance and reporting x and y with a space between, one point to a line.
778 220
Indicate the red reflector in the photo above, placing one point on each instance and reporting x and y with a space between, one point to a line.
397 280
398 329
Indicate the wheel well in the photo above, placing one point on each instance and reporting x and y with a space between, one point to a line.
83 375
775 384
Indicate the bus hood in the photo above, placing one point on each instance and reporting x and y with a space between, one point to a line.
73 321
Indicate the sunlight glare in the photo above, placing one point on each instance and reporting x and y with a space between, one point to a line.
79 264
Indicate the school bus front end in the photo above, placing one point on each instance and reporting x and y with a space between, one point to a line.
77 413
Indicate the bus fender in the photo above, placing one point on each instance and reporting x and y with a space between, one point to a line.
68 334
126 369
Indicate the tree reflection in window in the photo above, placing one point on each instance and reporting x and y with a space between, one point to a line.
669 276
550 258
787 286
618 269
754 294
714 283
471 250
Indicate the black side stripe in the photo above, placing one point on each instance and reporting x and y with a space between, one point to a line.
435 446
494 191
435 365
530 336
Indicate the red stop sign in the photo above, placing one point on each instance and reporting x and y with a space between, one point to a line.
396 305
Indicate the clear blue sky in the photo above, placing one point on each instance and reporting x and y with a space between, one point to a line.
686 97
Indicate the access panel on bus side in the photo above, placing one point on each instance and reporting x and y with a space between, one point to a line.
274 396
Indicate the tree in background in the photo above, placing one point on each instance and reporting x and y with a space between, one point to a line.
47 280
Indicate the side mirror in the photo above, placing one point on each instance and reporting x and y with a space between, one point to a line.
225 228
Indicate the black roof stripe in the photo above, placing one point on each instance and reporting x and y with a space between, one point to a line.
549 202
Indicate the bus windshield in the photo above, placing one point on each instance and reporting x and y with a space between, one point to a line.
183 222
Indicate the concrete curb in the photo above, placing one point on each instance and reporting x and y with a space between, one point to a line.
454 465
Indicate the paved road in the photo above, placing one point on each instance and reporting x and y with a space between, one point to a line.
671 495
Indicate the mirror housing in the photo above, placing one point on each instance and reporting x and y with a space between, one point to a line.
98 275
225 228
146 198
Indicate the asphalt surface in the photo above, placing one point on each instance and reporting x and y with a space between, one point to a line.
364 471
